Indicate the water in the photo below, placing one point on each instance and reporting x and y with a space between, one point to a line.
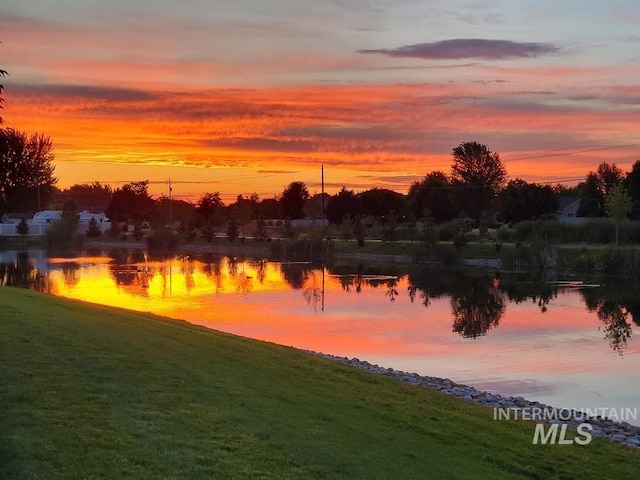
565 342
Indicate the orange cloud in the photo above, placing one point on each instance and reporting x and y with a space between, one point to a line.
379 131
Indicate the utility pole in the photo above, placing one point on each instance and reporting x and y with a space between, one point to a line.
322 170
170 201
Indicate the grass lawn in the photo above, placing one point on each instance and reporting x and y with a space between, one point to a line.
90 392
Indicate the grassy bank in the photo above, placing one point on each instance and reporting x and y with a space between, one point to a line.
93 392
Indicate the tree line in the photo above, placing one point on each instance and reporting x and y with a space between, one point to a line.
476 188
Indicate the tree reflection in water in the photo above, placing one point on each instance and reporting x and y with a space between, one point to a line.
477 298
477 307
129 271
22 273
614 305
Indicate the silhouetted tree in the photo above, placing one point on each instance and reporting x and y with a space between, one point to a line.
478 175
618 205
260 234
23 227
431 197
632 184
293 199
94 229
520 201
379 202
269 208
26 171
94 197
3 74
596 188
131 203
232 230
343 203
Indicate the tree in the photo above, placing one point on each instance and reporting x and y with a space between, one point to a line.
432 194
632 184
26 171
618 205
269 208
520 201
381 202
23 227
3 74
131 203
94 197
208 204
342 204
93 230
314 205
260 234
595 189
293 199
242 211
63 232
232 230
478 175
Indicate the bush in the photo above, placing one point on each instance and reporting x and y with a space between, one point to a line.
503 234
447 231
459 241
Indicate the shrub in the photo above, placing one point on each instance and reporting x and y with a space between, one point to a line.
448 230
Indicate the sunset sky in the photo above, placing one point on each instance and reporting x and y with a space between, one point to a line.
246 96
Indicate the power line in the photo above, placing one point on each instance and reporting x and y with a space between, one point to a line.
561 154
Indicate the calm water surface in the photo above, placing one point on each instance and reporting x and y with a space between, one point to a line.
564 342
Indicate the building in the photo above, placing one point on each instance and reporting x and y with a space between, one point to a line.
568 209
39 224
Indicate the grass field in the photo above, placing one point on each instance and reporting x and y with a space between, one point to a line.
89 392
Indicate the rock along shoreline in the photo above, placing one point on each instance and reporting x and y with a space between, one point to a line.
521 408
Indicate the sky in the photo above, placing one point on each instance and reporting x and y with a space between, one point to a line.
246 96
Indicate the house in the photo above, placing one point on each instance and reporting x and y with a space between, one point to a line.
46 216
41 221
14 218
568 209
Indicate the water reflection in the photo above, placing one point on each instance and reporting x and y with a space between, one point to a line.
478 301
21 272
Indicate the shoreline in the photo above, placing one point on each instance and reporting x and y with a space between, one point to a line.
620 432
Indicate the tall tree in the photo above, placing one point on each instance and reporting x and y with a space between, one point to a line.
342 204
596 187
208 205
3 73
478 175
632 184
26 171
131 203
293 199
432 196
618 205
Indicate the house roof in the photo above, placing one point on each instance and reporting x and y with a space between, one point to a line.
567 201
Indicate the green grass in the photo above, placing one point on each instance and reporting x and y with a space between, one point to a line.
375 247
90 392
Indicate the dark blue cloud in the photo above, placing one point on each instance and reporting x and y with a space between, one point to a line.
460 48
87 92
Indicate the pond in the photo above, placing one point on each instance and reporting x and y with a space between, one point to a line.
567 342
